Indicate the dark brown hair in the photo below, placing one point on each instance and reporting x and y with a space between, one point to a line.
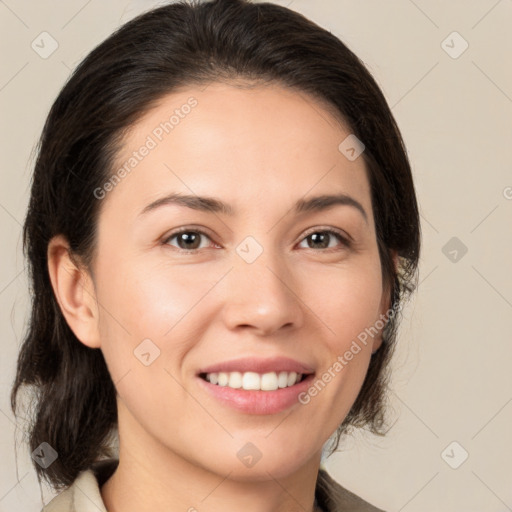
171 47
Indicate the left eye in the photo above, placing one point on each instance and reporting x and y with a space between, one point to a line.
322 239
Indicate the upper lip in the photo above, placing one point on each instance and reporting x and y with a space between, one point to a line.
253 364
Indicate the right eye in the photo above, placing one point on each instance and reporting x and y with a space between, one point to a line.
187 239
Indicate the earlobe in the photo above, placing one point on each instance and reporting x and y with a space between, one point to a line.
74 291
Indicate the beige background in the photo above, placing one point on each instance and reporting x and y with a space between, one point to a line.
452 378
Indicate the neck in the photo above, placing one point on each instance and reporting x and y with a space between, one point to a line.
150 476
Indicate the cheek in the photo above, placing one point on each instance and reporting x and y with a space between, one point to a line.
348 302
146 333
151 299
151 302
348 310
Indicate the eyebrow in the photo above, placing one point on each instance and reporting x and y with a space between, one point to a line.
214 205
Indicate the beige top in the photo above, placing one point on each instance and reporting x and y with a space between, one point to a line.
84 494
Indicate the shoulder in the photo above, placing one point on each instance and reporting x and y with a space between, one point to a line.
83 494
332 497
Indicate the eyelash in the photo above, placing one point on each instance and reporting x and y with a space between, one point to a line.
342 238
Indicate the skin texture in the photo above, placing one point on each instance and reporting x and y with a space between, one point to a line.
259 149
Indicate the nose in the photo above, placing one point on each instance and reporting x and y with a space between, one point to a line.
262 296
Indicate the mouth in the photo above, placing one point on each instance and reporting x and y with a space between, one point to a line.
254 393
254 381
253 385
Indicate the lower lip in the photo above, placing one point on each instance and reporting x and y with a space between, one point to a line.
257 401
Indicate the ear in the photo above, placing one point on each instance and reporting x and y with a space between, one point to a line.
74 291
385 304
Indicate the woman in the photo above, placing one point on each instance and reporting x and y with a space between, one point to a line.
221 230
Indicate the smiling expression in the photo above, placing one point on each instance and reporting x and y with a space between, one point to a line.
244 232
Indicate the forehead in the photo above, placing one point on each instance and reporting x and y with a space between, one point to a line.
264 141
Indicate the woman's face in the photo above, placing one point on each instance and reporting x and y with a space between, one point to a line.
260 279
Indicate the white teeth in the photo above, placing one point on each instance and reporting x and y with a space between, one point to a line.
251 380
254 381
282 380
235 380
269 382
